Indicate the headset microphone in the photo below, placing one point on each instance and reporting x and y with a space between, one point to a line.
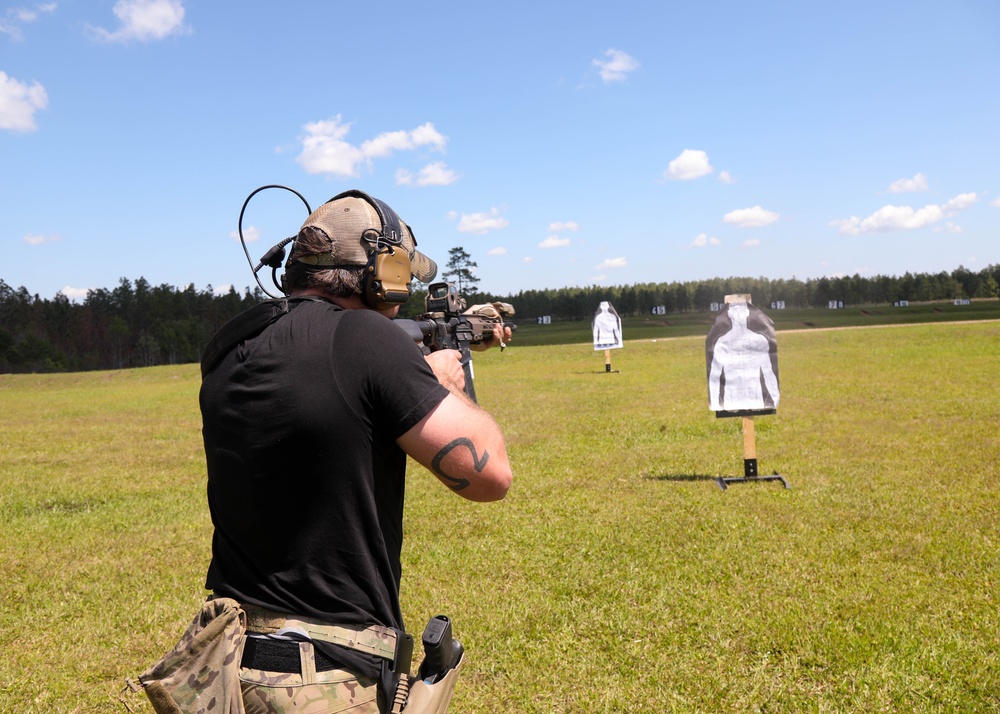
274 257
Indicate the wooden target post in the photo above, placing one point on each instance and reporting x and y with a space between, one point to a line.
750 460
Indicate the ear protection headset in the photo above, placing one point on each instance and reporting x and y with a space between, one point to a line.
387 274
386 279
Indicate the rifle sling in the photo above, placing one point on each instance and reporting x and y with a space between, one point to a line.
247 324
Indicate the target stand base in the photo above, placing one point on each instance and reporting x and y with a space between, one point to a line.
750 474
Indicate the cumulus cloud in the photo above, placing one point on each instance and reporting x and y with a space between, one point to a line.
613 263
325 150
11 23
560 226
903 218
703 239
36 239
75 293
995 203
726 177
480 223
433 174
691 164
554 242
909 185
616 66
251 234
145 20
19 102
527 260
960 202
499 250
751 243
751 217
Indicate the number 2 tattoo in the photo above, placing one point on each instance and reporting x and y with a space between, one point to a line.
457 484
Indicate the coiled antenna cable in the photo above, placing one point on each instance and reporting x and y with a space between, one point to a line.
274 257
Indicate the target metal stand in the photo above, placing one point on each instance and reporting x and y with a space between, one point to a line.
749 457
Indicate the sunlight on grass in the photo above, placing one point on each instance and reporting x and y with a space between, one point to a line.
616 576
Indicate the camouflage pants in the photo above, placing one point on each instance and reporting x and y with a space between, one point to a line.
309 692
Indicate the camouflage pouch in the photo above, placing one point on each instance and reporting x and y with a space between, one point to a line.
201 673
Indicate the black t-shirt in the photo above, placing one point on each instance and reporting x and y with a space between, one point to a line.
305 480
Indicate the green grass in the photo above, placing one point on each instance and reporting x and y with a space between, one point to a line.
616 576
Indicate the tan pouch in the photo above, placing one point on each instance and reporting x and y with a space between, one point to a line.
433 698
201 673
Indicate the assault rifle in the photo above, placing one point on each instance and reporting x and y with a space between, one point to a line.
447 325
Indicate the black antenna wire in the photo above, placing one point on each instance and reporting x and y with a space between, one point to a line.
276 254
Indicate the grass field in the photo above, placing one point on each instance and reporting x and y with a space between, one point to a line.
616 576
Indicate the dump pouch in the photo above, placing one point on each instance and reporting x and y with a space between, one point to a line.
201 673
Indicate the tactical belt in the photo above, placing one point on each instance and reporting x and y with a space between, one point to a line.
374 640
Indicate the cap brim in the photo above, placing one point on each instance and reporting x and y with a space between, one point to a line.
423 268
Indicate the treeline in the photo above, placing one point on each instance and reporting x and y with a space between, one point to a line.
139 325
133 325
632 300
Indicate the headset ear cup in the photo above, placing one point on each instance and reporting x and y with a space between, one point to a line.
386 279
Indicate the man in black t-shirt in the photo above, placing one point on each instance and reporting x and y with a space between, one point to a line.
307 425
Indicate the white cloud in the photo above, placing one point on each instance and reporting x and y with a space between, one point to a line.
325 151
36 239
616 67
726 177
963 200
17 16
221 289
560 226
251 234
499 250
527 260
480 223
751 243
75 293
903 218
909 185
386 143
613 263
691 164
995 203
19 102
703 239
433 174
751 217
145 20
554 242
950 228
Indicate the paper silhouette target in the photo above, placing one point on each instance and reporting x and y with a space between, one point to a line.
607 328
741 355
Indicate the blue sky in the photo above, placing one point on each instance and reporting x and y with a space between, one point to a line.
560 144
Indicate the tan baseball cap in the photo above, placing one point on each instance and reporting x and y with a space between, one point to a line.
354 222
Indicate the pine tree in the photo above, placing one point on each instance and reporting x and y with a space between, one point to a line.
460 270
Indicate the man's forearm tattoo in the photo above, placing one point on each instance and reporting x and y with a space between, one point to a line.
457 484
